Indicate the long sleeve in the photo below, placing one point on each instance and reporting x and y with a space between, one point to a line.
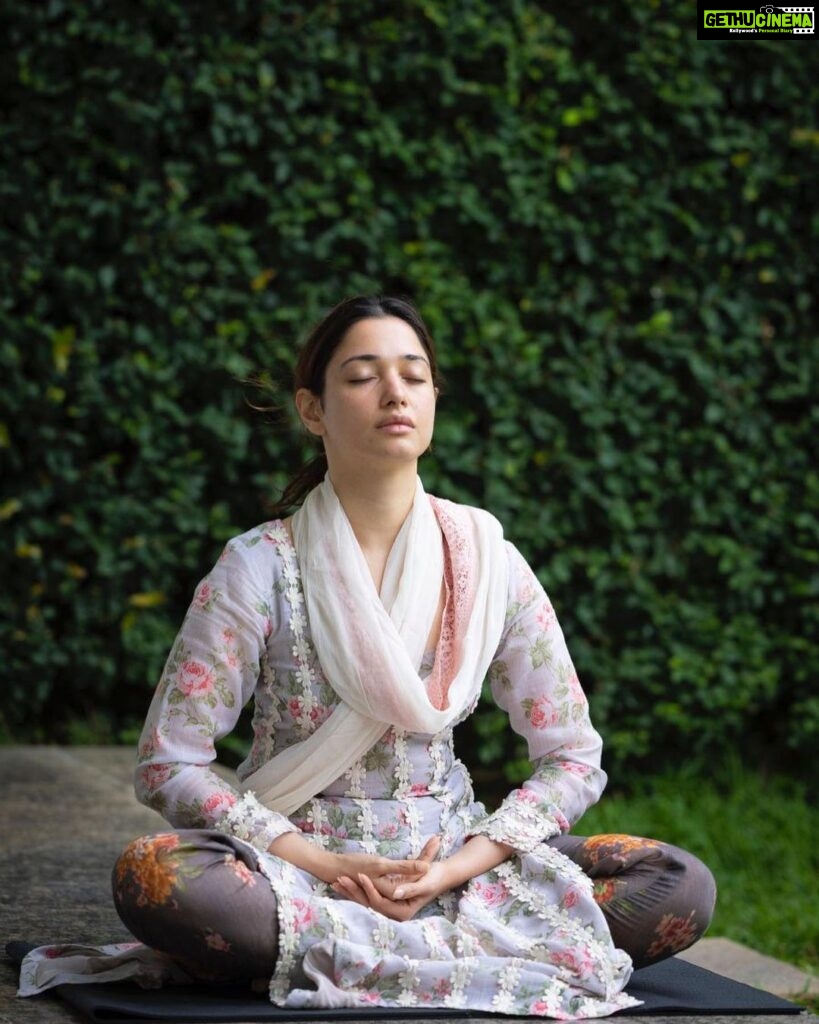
533 679
210 674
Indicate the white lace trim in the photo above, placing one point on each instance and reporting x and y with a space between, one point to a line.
402 762
366 822
508 978
448 903
302 649
436 945
355 776
468 944
317 818
566 868
461 974
552 997
416 840
561 920
520 823
256 824
383 936
437 747
340 929
408 980
288 936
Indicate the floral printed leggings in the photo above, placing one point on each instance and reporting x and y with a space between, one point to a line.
198 896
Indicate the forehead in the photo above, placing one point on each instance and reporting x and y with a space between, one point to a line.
386 337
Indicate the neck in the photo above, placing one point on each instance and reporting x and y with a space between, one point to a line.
376 505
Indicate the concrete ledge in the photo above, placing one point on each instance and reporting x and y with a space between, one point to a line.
723 956
66 814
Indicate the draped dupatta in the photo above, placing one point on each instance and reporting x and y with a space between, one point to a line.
370 645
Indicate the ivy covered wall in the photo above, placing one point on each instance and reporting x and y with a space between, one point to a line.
611 229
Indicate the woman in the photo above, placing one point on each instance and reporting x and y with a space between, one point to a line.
354 865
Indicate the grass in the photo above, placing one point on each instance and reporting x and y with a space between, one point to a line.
760 837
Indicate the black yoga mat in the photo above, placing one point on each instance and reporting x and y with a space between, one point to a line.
670 987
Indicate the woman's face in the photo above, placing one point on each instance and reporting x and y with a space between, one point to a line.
379 399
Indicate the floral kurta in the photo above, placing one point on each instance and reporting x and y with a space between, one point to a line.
525 938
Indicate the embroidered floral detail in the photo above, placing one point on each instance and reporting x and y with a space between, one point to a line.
319 826
280 982
440 745
249 820
508 978
340 930
461 973
574 930
302 704
523 821
402 764
366 822
383 936
468 944
355 775
408 980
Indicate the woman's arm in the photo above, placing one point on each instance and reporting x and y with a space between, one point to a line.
329 866
210 674
533 679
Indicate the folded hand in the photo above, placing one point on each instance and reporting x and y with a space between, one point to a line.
398 895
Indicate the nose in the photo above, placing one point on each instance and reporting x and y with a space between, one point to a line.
395 390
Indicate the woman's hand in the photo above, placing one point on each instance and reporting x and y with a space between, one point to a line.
398 896
328 866
401 897
382 872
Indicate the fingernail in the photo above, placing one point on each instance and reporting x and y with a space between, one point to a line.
399 894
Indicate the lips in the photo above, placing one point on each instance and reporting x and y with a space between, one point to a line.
396 421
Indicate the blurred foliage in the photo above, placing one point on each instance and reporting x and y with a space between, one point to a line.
610 229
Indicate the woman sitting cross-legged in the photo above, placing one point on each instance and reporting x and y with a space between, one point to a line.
353 865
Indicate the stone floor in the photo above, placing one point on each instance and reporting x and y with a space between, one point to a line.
65 814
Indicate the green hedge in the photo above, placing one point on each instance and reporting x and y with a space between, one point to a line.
610 228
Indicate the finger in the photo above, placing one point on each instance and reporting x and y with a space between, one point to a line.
386 885
347 887
398 911
401 910
431 848
373 896
408 891
411 867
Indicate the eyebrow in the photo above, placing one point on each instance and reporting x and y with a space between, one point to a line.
410 357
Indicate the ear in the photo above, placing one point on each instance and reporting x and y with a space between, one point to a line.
310 411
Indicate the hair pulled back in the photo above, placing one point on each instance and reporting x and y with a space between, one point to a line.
311 370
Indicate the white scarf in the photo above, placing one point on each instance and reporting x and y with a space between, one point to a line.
370 646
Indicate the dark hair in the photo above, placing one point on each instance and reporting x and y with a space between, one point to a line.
311 370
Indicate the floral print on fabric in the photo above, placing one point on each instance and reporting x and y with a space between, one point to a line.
673 934
152 870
